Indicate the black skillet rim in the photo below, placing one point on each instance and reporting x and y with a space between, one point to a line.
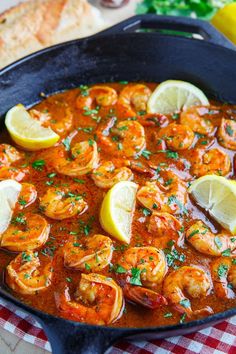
215 318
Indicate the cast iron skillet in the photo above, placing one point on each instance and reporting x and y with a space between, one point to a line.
122 52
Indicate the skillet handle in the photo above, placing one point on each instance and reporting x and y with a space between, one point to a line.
67 337
186 25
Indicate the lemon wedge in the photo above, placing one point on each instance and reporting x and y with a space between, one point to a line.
117 210
218 196
173 95
9 192
28 132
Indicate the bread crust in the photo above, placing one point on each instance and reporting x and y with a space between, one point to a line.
37 24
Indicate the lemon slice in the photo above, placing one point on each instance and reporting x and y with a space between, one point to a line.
117 210
173 95
218 196
28 132
9 192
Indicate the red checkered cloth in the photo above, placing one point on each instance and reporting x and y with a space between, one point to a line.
219 339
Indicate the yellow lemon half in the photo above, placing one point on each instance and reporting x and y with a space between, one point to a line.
218 196
173 95
117 210
28 132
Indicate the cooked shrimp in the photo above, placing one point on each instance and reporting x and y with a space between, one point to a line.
196 118
60 126
170 196
141 167
106 175
9 155
227 134
128 138
152 120
165 227
95 255
25 275
84 158
177 136
214 161
132 99
143 296
224 276
34 234
192 280
100 95
204 241
98 300
142 267
61 204
9 172
28 195
149 260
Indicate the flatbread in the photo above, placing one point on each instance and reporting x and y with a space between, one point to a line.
37 24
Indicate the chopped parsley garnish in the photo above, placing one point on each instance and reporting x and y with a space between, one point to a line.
167 315
76 244
25 257
86 129
21 201
193 233
229 130
86 228
77 180
146 154
226 253
119 146
141 113
172 255
185 303
69 280
146 211
123 82
90 142
89 112
168 182
174 200
204 142
119 269
66 143
182 318
222 270
175 116
38 165
170 154
19 219
135 277
49 183
51 175
84 90
48 251
87 266
218 242
123 128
